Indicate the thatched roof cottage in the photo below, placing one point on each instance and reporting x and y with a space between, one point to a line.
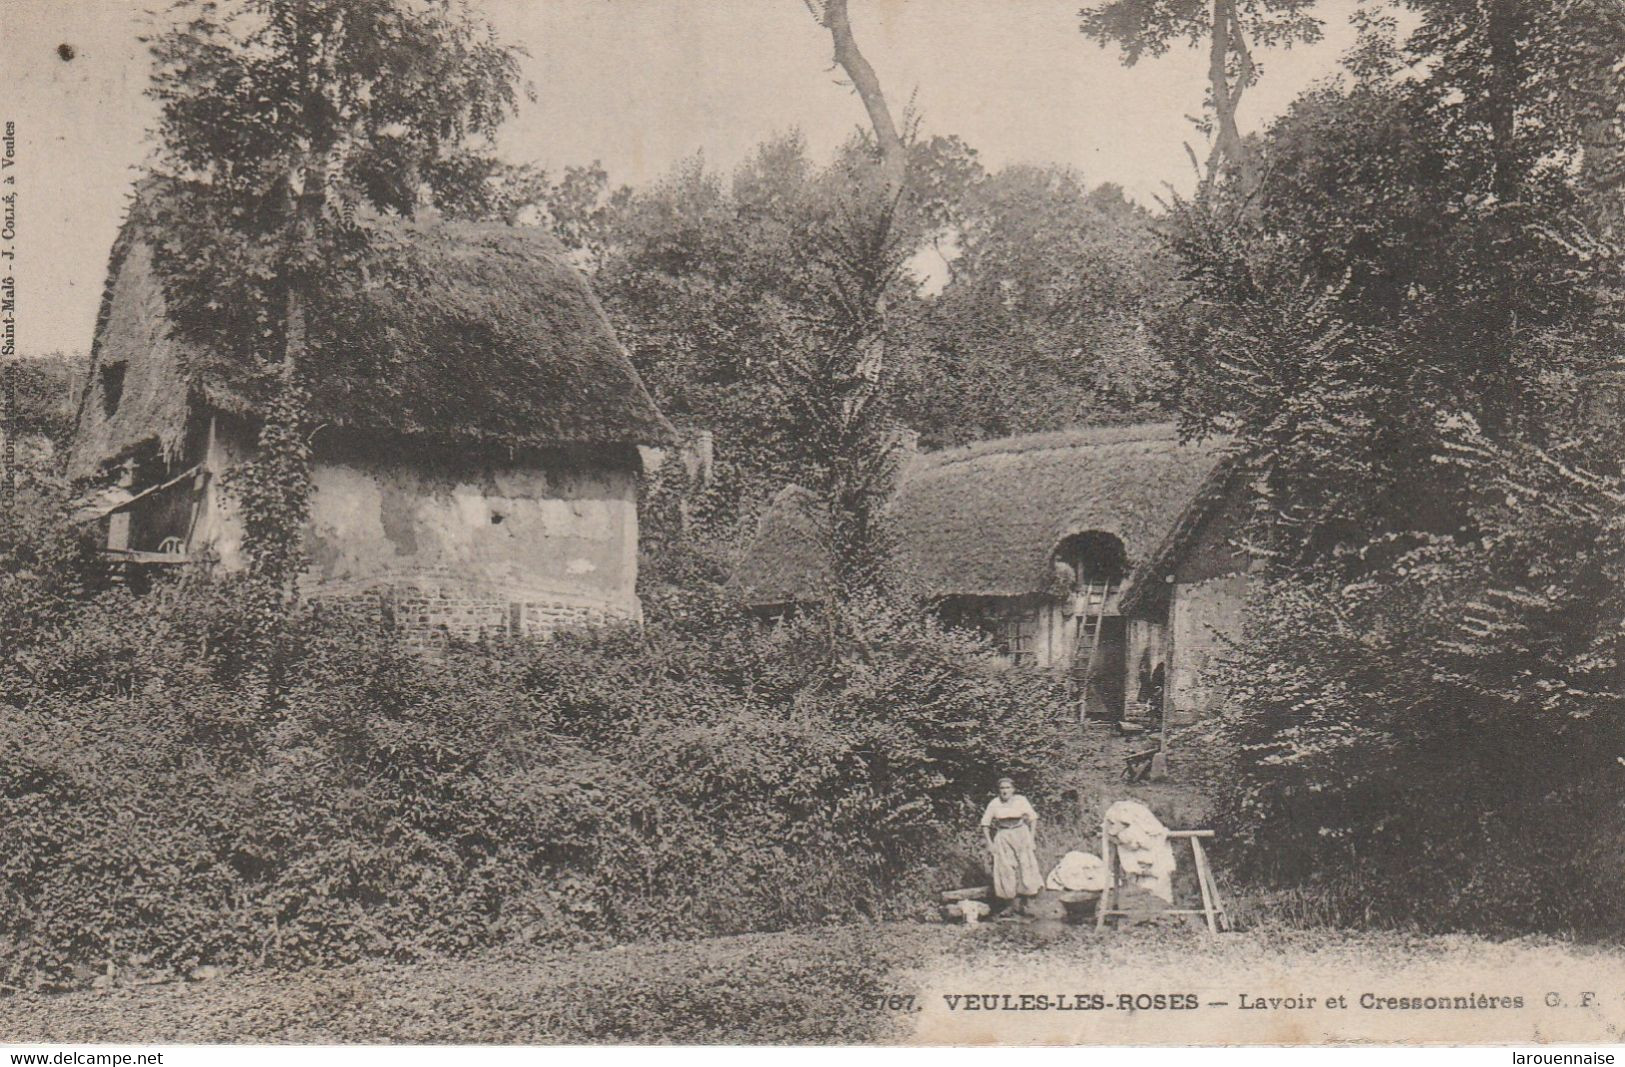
476 460
1035 539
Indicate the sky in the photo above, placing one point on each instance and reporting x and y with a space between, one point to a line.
640 85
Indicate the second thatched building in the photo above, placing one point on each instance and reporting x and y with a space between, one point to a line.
1050 543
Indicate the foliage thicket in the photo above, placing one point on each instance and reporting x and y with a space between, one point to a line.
700 776
709 280
1410 327
1014 302
46 566
44 402
1041 323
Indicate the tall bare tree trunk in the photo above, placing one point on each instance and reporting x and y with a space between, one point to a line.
1506 77
1503 29
1228 39
893 155
893 158
1603 172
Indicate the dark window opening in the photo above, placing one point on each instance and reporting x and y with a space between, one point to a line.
161 522
1016 636
112 387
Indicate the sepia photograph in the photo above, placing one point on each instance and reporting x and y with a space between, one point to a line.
812 522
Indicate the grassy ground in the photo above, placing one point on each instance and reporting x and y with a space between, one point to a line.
793 987
829 986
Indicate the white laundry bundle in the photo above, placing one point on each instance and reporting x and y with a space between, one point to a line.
1142 847
1078 871
968 911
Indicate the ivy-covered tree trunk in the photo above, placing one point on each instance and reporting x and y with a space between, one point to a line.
274 487
270 111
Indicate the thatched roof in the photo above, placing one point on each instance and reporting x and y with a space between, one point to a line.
1147 596
985 520
465 335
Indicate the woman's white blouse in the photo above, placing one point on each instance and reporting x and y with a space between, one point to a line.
1014 808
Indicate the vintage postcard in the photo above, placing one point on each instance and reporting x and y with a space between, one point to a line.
865 522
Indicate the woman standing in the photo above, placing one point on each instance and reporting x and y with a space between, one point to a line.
1008 826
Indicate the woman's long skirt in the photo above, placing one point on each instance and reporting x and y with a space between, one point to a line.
1015 864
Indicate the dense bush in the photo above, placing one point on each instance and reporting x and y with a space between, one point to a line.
1436 741
693 777
1411 328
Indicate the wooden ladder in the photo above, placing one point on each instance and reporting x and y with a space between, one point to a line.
1090 623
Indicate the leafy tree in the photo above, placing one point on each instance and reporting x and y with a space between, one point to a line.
1041 323
741 300
713 283
1402 329
698 275
283 117
1395 195
42 390
577 205
1142 28
281 123
46 563
1525 87
763 309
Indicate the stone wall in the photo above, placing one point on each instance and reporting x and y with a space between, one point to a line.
1206 612
429 615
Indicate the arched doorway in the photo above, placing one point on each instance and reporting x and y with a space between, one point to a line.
1093 564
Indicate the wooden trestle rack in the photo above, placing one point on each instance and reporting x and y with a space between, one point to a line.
1212 908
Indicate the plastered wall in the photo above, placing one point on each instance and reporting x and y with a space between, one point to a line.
1201 618
452 546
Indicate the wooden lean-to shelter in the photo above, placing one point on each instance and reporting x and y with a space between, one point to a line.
476 451
1034 539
